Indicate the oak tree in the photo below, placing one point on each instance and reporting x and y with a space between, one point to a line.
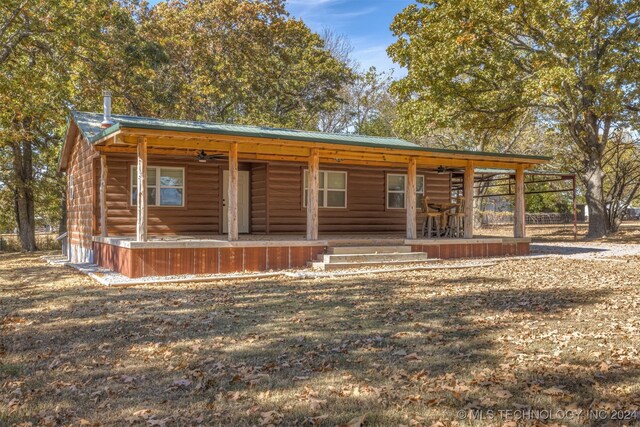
486 64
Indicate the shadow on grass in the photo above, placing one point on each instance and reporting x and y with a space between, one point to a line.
272 336
566 250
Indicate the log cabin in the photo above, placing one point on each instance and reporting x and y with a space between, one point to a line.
157 197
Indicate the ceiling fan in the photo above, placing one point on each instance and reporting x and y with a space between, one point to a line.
203 157
441 169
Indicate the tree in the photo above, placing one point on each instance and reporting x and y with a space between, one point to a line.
40 43
247 62
486 64
621 166
219 60
365 106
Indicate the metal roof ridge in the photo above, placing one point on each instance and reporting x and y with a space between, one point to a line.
257 127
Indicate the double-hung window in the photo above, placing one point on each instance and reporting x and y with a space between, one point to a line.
397 189
332 191
165 186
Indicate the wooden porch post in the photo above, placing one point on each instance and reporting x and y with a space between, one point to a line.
103 195
411 199
519 206
232 207
312 194
141 225
468 200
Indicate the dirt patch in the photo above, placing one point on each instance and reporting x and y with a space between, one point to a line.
411 348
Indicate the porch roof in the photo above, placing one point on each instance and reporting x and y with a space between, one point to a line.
89 124
166 132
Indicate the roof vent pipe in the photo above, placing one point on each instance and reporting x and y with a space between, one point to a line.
106 121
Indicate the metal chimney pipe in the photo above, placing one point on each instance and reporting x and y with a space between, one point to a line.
107 122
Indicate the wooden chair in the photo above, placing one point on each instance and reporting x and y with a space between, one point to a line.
456 219
431 219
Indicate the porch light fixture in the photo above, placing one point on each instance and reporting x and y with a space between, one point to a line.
441 169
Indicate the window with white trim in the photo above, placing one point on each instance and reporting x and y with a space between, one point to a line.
165 186
397 188
332 191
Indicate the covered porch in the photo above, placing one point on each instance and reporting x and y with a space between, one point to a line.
230 152
288 241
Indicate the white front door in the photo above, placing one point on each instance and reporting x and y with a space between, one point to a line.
243 201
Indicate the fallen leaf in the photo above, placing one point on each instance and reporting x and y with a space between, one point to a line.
355 422
554 391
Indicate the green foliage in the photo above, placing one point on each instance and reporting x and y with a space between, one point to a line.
245 62
482 66
548 201
219 60
40 41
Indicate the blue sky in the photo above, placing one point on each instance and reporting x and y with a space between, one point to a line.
364 22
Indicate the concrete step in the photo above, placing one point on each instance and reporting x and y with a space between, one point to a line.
352 250
373 257
364 241
318 265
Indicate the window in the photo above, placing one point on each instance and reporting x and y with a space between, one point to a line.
165 186
332 191
397 188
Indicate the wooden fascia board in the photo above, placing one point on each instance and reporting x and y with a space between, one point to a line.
69 140
191 152
108 139
301 148
247 156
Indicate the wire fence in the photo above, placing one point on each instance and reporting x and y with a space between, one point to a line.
489 218
44 242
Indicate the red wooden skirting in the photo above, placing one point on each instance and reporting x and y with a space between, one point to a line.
140 262
473 250
173 261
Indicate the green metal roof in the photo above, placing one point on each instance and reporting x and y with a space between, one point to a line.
89 125
490 171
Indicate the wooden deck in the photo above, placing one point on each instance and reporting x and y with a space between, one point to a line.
177 255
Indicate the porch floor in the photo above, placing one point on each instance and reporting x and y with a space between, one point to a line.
262 240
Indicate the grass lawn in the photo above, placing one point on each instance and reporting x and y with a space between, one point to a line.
416 349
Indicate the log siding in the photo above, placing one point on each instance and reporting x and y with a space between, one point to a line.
276 205
81 218
200 214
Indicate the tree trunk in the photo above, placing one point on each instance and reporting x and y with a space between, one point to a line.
62 227
599 225
23 194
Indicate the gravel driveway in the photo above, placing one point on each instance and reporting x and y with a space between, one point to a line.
585 250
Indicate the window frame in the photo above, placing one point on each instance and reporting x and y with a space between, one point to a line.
305 189
158 186
404 206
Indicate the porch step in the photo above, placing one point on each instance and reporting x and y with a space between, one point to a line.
364 241
319 265
374 257
352 250
358 257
